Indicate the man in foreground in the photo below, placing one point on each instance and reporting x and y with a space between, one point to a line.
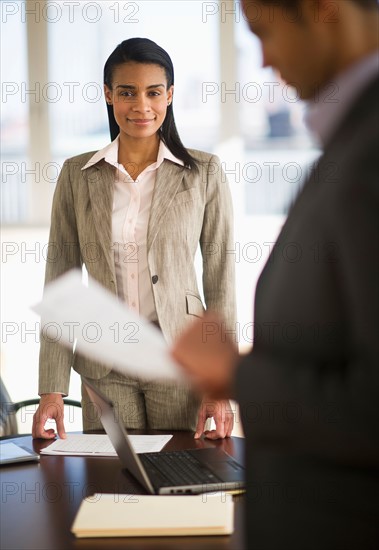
308 391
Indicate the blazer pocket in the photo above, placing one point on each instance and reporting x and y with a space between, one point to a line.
89 368
186 196
194 305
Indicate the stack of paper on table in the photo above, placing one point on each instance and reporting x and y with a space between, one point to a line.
117 515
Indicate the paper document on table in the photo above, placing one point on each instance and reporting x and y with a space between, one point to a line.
103 328
100 445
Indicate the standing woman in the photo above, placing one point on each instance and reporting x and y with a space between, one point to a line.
134 214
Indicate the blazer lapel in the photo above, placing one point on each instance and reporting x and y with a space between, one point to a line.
169 179
101 186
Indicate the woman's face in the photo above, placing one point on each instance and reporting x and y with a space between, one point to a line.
140 98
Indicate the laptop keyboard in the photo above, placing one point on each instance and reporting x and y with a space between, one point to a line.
176 468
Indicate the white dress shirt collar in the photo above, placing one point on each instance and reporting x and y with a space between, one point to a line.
327 110
110 155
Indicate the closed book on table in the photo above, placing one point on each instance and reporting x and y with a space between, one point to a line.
114 515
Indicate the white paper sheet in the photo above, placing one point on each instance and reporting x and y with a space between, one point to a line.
100 445
104 329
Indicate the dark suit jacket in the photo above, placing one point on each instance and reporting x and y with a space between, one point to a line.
309 389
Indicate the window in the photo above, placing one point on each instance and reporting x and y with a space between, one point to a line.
14 117
81 40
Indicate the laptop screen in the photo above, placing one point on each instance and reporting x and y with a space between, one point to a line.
118 435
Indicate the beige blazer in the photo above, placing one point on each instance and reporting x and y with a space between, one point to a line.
188 208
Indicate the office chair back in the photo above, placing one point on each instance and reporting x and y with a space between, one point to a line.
9 409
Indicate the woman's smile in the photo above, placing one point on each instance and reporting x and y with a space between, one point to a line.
141 121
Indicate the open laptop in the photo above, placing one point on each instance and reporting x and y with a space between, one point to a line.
172 472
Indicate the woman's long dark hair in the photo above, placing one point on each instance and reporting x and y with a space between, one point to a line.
143 50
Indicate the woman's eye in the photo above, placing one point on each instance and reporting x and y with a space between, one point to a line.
126 94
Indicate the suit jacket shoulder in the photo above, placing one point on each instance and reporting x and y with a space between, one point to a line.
82 159
202 156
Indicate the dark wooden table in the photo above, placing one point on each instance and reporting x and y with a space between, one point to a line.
39 501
